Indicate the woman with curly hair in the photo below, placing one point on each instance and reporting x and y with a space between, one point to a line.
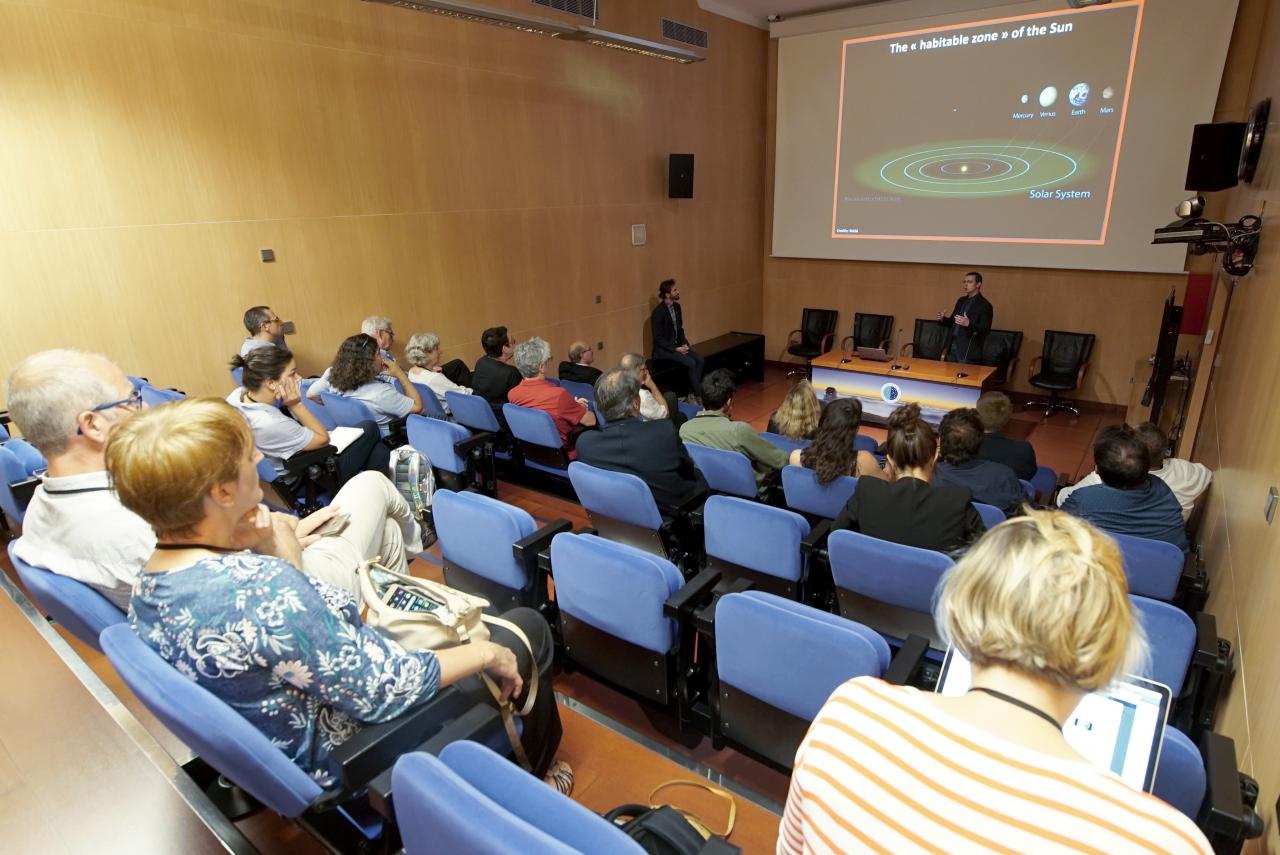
832 452
354 374
797 417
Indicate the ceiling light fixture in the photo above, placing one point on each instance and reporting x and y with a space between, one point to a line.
476 13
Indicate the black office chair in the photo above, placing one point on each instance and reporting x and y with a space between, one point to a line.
1060 367
817 333
929 340
1000 349
869 331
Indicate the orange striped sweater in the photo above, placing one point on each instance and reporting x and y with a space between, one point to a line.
882 770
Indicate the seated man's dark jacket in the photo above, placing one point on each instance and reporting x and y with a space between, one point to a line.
650 450
493 379
1150 511
914 513
990 483
579 373
1019 455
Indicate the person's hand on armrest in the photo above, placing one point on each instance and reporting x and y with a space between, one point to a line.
588 417
410 391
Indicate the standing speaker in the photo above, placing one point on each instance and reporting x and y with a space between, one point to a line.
680 176
1215 156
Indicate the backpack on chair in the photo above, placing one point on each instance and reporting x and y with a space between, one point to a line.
411 472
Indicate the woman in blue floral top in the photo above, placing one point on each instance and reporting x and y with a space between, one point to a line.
286 651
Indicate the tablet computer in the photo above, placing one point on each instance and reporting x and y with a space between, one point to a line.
1119 728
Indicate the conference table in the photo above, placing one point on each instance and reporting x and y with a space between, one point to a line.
882 388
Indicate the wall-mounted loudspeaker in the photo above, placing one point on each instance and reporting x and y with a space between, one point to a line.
1215 156
680 176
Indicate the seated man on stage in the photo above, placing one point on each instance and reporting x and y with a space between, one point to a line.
969 320
669 341
960 437
1130 500
578 366
714 427
650 450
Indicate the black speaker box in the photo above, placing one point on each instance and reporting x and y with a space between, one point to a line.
1215 156
680 176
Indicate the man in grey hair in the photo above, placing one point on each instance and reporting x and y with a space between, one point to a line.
650 450
654 403
571 415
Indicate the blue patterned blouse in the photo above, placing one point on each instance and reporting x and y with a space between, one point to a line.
286 651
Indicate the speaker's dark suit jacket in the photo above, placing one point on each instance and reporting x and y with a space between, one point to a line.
667 336
650 450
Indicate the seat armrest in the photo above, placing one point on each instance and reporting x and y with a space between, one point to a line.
906 663
909 347
1080 375
792 333
1206 654
473 442
1011 370
825 345
23 491
693 503
1034 366
1225 815
816 540
526 549
304 460
691 595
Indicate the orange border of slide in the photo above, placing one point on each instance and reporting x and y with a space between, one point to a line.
1115 163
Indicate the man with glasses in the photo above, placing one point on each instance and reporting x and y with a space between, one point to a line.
66 403
265 329
578 367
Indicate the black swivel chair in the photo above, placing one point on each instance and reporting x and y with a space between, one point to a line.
869 331
817 331
1000 349
1060 367
929 340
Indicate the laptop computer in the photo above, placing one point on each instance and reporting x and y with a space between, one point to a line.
875 354
1120 728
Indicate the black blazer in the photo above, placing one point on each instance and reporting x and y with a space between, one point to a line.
1019 455
968 340
914 513
666 335
650 450
492 380
579 373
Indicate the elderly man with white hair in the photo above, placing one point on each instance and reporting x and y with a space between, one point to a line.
67 403
571 415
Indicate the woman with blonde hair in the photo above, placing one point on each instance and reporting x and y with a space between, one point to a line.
1040 608
797 416
223 601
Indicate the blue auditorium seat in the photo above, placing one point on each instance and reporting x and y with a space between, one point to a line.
887 586
726 471
804 493
82 610
748 540
991 515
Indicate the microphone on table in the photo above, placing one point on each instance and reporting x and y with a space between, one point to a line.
896 366
964 360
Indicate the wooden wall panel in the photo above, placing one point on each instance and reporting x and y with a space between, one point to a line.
451 176
1238 439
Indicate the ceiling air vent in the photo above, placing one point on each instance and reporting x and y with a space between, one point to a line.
683 33
582 8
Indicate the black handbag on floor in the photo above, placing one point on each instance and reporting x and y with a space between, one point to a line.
659 831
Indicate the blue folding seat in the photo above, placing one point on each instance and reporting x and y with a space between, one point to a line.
153 397
804 493
539 440
689 410
317 409
1045 482
762 544
763 702
991 515
1153 567
785 443
862 442
1029 489
460 458
470 800
430 403
580 390
15 485
237 376
490 548
1187 656
622 509
82 610
31 460
726 471
887 586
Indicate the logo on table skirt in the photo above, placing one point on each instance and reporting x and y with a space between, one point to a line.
890 392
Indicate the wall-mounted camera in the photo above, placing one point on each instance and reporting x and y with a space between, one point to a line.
1238 241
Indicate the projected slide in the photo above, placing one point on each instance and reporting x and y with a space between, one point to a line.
1005 130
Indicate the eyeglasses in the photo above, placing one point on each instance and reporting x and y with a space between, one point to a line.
134 402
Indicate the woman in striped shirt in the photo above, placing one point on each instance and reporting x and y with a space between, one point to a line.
1040 607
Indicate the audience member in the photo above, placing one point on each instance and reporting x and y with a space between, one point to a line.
423 354
797 416
1130 500
494 377
270 378
571 415
1187 480
379 329
67 404
669 340
265 329
994 408
960 438
832 452
354 374
654 403
906 508
714 427
578 367
650 450
222 600
1039 608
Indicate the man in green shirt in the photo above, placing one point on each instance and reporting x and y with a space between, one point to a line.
714 427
